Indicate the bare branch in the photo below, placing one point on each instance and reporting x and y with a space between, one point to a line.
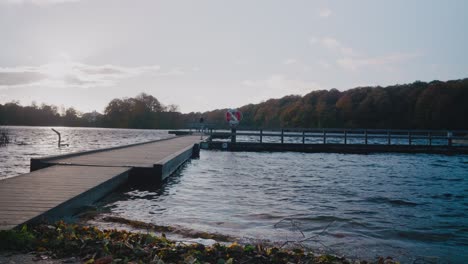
296 226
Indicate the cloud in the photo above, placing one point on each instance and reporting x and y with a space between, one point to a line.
74 80
313 40
69 74
173 72
279 85
37 2
325 12
20 78
350 59
106 70
335 45
241 61
324 64
359 62
3 98
289 61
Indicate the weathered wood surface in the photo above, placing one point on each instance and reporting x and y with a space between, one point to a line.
144 155
58 186
52 191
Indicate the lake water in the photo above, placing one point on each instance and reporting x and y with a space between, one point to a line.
411 207
34 142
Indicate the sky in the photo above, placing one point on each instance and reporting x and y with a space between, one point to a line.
209 54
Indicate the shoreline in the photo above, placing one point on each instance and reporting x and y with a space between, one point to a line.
77 243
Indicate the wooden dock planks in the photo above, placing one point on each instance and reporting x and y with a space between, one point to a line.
144 155
58 186
51 191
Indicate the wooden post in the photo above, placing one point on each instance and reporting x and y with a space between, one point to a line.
196 151
324 137
409 137
261 135
389 138
303 137
233 135
4 140
430 139
365 136
345 137
449 138
282 136
60 138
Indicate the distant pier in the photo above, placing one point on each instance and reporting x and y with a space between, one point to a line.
340 140
59 186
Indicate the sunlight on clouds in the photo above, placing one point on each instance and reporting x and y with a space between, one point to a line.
212 48
58 70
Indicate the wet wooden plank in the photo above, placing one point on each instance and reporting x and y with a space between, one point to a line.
145 155
78 179
21 201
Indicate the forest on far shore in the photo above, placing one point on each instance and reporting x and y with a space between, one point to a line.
419 105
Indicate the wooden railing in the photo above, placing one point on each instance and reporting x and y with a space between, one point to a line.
201 126
347 136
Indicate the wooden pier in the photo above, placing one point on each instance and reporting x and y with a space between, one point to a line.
340 140
57 187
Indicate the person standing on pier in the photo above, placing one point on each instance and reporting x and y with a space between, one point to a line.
202 120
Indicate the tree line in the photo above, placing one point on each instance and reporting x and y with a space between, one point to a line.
142 111
419 105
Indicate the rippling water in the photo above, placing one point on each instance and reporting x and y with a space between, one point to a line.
34 142
406 206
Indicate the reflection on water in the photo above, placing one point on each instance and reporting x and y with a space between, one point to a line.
383 204
34 142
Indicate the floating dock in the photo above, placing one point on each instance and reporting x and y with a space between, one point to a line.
361 141
59 186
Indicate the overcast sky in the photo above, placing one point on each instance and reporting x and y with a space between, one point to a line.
207 54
